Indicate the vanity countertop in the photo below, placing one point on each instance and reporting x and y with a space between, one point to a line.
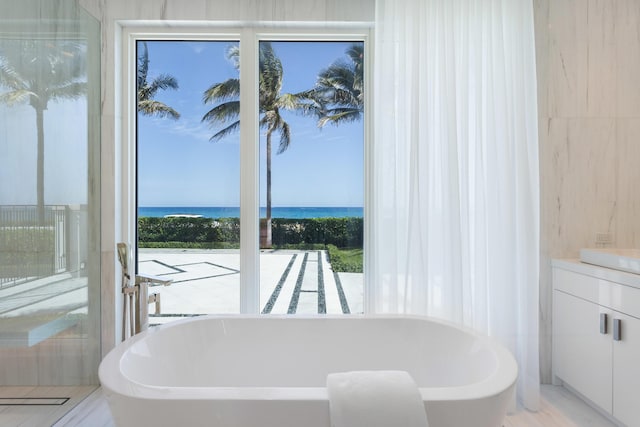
618 259
604 273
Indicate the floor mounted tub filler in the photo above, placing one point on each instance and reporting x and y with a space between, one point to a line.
271 371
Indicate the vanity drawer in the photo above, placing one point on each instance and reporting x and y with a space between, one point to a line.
624 299
579 285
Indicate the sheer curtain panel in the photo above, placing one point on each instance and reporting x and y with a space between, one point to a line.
456 188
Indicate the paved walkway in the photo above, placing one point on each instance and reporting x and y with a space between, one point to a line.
204 282
33 311
209 281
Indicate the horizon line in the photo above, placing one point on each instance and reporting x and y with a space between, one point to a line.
237 207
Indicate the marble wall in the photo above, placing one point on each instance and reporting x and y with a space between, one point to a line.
588 54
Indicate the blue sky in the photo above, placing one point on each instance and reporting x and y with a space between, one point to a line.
179 166
65 124
65 153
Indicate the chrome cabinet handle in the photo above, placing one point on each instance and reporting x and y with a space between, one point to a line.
603 323
617 329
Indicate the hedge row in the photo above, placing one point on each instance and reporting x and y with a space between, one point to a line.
341 232
197 230
27 251
348 261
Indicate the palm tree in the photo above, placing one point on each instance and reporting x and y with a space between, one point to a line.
340 89
38 72
147 90
271 102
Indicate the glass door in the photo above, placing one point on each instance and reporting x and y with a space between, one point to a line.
188 175
293 172
311 120
49 194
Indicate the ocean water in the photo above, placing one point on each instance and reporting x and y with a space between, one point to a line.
276 212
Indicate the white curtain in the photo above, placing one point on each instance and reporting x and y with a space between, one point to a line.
456 192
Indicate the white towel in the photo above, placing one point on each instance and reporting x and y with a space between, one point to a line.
375 399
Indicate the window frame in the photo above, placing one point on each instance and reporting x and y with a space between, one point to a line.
249 37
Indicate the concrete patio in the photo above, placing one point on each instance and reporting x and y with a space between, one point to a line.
208 281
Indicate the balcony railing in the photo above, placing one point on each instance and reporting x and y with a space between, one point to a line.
32 249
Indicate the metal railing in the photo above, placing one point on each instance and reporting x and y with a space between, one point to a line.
31 248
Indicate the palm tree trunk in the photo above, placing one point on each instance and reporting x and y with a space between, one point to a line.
269 175
40 165
266 233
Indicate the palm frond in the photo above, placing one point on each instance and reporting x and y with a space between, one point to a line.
270 76
270 120
162 82
298 101
233 54
285 137
340 115
14 97
221 92
41 70
311 109
288 101
340 87
270 100
264 121
152 107
143 66
222 113
339 74
10 78
147 91
356 53
233 127
73 90
309 103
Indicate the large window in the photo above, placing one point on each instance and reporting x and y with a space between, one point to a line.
250 179
188 181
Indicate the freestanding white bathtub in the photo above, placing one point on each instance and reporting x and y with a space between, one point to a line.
265 371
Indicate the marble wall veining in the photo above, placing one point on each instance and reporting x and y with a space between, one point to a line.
588 60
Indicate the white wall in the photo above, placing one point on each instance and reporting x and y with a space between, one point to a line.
113 14
589 126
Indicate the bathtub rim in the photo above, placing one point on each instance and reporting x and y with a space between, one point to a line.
502 379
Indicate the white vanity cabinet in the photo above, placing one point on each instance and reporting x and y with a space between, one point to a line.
596 336
626 372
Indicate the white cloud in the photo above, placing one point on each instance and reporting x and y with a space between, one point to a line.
197 47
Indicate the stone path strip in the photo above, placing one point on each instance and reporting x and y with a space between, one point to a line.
295 297
310 287
322 302
343 300
276 292
292 282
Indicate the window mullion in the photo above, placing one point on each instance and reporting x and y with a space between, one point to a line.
249 169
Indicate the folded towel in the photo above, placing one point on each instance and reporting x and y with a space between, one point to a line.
375 399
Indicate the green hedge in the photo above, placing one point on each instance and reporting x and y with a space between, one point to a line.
345 260
341 232
191 230
27 251
189 245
